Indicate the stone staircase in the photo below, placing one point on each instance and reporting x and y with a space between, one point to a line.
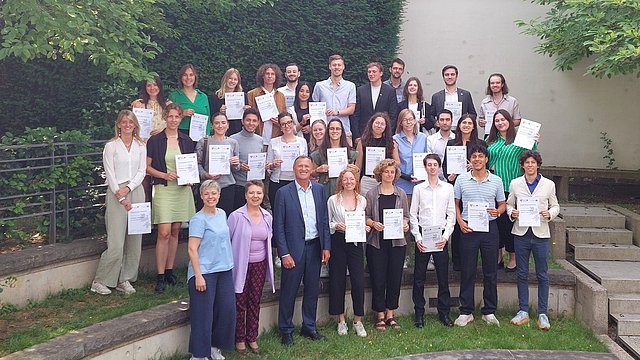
605 249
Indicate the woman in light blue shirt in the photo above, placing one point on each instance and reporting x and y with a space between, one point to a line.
408 141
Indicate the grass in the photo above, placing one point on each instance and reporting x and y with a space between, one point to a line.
566 334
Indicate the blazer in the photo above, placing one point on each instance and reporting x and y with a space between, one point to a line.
546 194
157 148
281 105
387 102
288 222
428 123
437 104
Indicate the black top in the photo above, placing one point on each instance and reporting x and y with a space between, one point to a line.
299 114
381 142
458 142
157 149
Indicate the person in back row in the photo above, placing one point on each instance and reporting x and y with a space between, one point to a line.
457 100
372 98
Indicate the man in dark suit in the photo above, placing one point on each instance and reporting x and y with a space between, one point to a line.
372 98
453 98
301 230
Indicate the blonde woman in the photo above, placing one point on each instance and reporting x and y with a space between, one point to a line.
231 82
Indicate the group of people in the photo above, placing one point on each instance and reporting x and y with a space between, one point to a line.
314 215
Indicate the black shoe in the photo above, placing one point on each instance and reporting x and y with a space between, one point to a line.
508 269
419 321
287 339
311 335
501 265
445 320
170 279
160 286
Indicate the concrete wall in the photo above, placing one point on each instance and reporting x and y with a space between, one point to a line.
481 38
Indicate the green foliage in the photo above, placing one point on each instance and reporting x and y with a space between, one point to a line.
608 31
607 145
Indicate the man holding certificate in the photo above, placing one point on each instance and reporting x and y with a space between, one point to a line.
483 200
432 218
268 78
532 203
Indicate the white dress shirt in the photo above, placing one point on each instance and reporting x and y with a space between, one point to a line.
432 207
122 166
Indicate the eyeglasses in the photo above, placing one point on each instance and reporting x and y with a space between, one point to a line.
286 123
335 129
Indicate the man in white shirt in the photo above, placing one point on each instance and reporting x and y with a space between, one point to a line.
432 204
292 75
395 80
437 142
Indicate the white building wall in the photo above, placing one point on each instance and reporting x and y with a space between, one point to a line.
480 37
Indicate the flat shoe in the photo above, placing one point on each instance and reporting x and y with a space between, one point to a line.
255 350
392 323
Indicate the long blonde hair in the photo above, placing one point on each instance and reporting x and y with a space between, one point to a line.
136 131
220 92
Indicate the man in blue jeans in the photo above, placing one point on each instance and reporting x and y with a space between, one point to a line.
532 203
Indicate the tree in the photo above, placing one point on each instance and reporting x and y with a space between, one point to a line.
607 31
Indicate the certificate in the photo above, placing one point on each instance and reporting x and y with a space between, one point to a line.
431 235
139 219
527 131
145 119
187 169
456 159
375 154
478 216
456 108
288 155
267 107
392 221
234 101
355 226
419 171
198 126
488 116
529 211
256 162
289 99
318 110
219 156
337 161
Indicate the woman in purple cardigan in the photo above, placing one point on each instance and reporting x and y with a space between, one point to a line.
250 228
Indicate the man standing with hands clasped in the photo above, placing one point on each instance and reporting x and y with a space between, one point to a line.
301 230
432 211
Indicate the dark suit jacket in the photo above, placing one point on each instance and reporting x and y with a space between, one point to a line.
387 102
437 104
428 123
288 223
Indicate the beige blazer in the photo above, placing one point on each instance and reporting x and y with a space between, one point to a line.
545 192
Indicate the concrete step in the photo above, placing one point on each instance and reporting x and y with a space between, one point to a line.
615 276
585 216
606 252
632 344
628 324
599 236
624 303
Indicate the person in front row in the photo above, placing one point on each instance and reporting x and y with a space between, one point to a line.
532 239
301 230
212 303
480 191
432 204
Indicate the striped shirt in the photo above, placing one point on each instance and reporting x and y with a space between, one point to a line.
504 160
490 190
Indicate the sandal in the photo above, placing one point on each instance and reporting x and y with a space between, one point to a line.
255 350
392 323
380 325
241 351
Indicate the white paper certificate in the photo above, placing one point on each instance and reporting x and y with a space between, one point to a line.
526 134
234 102
529 211
219 156
355 226
267 107
198 126
375 154
478 216
392 221
139 219
318 110
256 162
419 171
456 108
456 159
488 116
187 169
337 161
289 153
431 235
145 119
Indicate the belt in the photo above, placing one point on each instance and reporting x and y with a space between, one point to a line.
311 241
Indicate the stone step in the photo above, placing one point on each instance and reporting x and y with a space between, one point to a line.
606 252
628 324
632 344
599 236
624 303
615 276
594 217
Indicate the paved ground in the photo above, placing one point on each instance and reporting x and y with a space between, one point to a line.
510 354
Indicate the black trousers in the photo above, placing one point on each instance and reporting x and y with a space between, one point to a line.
385 269
455 245
504 229
441 261
345 255
273 188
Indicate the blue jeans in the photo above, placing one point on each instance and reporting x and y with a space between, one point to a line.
524 246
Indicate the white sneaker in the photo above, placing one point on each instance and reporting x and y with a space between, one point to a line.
216 354
491 319
521 318
198 358
543 322
359 329
98 288
126 288
324 271
406 262
277 262
463 320
431 266
342 328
